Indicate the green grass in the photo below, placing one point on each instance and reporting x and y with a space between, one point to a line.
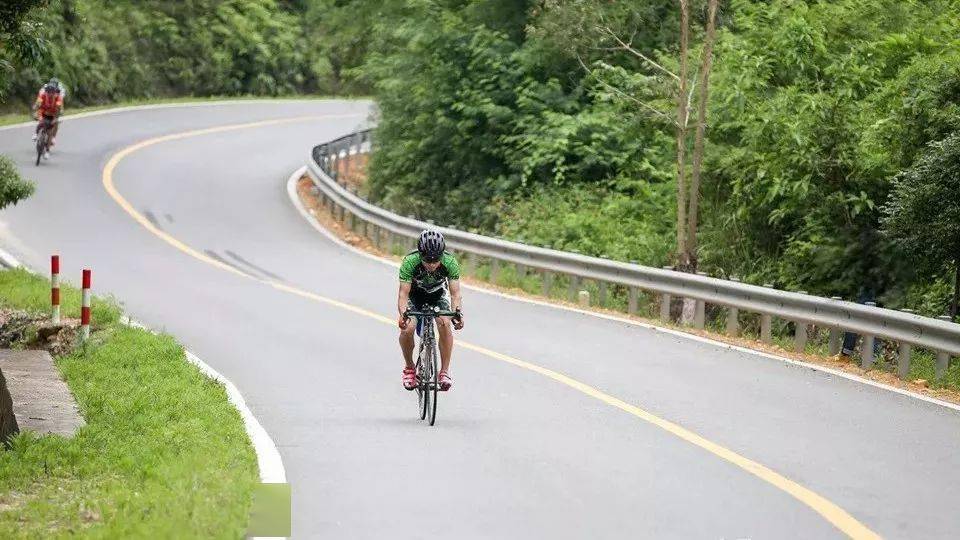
163 454
22 113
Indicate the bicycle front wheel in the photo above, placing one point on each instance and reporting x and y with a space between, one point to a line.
422 398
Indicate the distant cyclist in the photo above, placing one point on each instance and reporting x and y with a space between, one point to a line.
49 107
429 276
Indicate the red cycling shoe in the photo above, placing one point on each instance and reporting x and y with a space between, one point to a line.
409 378
446 383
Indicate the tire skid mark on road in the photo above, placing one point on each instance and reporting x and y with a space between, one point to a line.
831 512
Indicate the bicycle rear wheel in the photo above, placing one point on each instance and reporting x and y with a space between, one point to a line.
434 386
41 144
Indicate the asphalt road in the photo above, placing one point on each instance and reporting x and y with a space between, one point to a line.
515 453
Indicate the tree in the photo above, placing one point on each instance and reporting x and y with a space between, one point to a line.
688 193
19 40
13 188
922 215
698 142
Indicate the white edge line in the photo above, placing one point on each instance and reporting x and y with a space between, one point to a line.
268 457
7 260
292 192
145 107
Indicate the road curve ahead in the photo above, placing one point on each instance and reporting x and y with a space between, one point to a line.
561 425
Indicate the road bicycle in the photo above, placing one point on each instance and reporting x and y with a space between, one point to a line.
427 358
43 138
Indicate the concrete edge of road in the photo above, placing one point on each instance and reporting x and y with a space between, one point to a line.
295 200
149 106
269 462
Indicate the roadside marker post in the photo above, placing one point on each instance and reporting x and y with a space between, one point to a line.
55 288
85 307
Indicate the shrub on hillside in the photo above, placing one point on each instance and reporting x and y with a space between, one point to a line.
13 187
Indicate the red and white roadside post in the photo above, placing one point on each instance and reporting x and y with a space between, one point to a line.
85 307
55 287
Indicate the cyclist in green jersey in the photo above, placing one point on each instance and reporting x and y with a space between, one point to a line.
429 276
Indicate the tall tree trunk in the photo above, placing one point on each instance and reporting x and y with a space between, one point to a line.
698 141
682 112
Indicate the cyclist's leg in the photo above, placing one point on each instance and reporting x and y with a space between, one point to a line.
52 130
406 338
445 329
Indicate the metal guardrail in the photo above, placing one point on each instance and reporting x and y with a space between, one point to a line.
330 160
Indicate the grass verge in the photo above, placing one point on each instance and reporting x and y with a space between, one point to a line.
164 454
22 114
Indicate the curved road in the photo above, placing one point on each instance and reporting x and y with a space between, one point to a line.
516 453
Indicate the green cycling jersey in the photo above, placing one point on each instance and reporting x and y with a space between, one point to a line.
412 271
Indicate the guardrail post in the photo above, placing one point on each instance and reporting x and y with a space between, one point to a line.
766 328
866 352
699 314
943 358
700 308
665 307
836 335
733 316
733 321
470 264
583 298
903 361
494 270
867 355
574 287
521 272
632 300
602 294
766 323
547 283
388 241
903 356
378 237
665 303
800 334
943 362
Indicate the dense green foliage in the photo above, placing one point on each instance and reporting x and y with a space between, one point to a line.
110 51
923 215
544 130
13 187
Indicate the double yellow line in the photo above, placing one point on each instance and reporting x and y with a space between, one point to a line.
827 509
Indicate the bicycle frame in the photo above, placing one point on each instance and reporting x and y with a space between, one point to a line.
427 358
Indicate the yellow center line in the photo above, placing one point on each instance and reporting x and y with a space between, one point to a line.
819 504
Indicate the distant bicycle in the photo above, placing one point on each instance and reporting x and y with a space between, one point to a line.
43 138
427 355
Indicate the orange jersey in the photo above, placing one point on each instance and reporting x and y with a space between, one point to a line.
49 103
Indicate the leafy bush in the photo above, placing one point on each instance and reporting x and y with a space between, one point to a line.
13 187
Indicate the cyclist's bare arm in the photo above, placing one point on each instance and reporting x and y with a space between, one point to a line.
456 301
402 296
